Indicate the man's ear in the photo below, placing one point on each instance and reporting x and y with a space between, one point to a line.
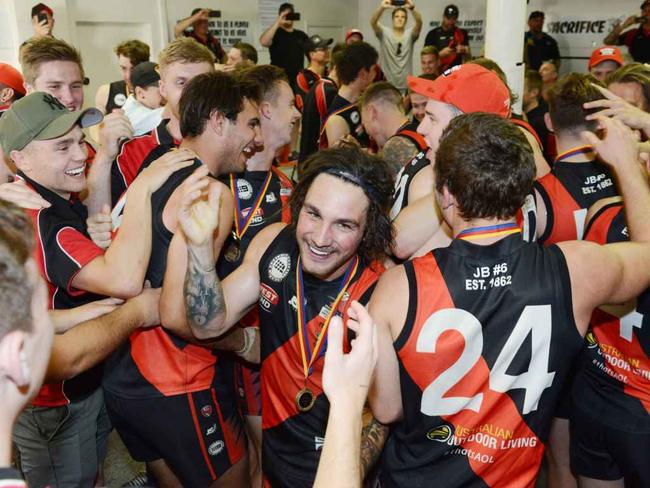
13 361
547 122
6 94
265 109
20 160
217 122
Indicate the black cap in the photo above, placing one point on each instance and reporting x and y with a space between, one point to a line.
317 42
145 74
537 14
41 7
451 11
286 6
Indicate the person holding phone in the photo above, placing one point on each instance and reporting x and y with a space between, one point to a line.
200 31
396 51
637 40
286 44
42 20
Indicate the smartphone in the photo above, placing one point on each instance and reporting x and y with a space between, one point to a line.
293 16
42 17
214 13
398 3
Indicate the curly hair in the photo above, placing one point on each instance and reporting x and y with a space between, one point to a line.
370 173
16 246
633 73
137 51
487 164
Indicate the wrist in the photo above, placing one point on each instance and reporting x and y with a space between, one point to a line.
202 255
346 406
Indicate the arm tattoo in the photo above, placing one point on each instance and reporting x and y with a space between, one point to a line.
203 293
398 151
373 437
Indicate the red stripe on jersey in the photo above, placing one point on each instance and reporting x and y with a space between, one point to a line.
561 217
494 458
133 153
199 436
78 247
416 138
169 369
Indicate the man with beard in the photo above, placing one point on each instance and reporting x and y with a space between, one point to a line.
301 276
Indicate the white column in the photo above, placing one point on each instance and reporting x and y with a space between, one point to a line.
504 41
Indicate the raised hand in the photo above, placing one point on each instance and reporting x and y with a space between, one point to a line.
198 213
21 195
115 127
100 227
619 147
615 107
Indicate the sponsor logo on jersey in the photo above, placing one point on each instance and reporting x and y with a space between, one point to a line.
354 117
268 297
215 448
119 99
206 410
442 433
244 189
591 340
257 219
293 302
279 267
285 192
211 430
271 198
318 443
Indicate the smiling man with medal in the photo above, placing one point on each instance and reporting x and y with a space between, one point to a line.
298 277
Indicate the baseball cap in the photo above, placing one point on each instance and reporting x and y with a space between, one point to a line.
470 87
352 32
606 53
40 116
145 74
450 11
537 14
11 77
41 7
317 42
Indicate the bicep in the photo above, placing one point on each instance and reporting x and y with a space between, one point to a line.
226 214
101 98
422 184
336 128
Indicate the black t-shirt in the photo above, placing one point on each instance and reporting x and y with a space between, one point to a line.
441 39
288 52
540 50
638 43
211 42
536 120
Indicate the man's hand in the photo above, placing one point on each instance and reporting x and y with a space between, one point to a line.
203 14
100 227
198 213
21 195
283 16
115 127
617 108
347 377
43 28
145 306
96 309
619 147
631 20
386 4
409 4
447 51
155 175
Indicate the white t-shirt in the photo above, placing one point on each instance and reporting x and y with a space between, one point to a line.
396 55
143 119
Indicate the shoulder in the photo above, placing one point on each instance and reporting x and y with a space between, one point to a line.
597 207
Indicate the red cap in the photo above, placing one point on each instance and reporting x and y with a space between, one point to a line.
605 53
469 87
11 77
352 32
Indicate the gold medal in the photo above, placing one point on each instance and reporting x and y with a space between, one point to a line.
233 252
305 400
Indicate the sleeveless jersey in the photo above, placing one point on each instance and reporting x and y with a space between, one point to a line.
117 94
406 175
529 128
154 362
133 153
568 191
483 355
616 366
314 112
305 79
292 441
351 115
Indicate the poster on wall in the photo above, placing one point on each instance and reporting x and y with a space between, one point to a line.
230 32
268 12
580 32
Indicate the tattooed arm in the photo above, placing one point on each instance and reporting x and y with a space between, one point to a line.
397 152
373 438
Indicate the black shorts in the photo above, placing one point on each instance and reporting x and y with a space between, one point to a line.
199 436
604 452
249 390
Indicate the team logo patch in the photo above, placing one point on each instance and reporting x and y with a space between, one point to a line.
279 267
354 117
244 189
215 448
271 198
442 433
268 297
119 99
211 430
451 70
206 410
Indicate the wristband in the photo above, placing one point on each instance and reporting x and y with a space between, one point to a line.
249 340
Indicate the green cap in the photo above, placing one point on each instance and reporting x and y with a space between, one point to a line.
40 116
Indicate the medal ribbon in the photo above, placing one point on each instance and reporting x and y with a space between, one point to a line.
488 231
242 223
587 149
308 356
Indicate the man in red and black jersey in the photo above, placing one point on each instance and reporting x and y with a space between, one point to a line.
299 276
162 372
356 70
637 39
179 62
451 41
46 143
474 395
610 418
317 52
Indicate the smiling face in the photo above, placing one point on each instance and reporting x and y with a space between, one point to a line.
174 77
57 164
61 79
429 64
418 105
242 137
330 226
279 116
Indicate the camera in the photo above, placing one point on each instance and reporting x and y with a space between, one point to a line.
42 17
398 3
293 16
214 13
